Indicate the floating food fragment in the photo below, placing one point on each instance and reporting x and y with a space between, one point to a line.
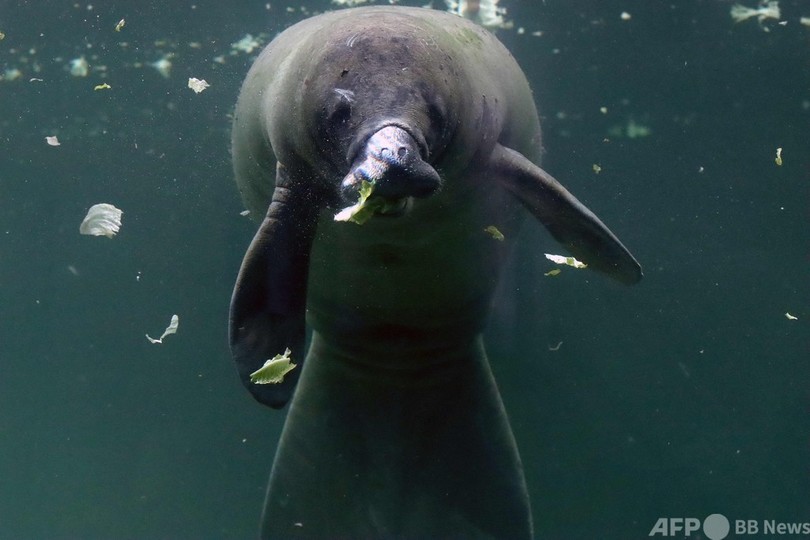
570 261
635 130
11 74
171 329
79 67
247 44
53 141
552 273
2 36
101 220
119 25
597 168
244 213
483 12
632 130
791 317
273 370
198 85
802 20
102 86
495 233
769 10
778 159
163 66
349 3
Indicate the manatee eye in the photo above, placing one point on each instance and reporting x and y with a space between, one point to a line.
341 107
340 113
436 117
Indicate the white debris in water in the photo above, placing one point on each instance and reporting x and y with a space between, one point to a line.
247 44
483 12
163 66
349 2
632 130
101 220
570 261
53 141
79 67
198 85
11 74
171 329
766 10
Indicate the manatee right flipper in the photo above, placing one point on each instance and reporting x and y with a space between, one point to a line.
268 305
569 221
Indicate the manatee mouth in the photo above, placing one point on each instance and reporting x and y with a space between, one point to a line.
391 160
387 173
369 205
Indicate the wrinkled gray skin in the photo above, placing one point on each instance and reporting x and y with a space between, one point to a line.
396 428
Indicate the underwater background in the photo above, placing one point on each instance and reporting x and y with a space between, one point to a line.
684 396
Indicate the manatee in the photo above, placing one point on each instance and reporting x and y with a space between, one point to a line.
395 426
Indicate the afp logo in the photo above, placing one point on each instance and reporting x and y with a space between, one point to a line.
715 527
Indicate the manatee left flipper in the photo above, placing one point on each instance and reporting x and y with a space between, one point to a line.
569 221
268 305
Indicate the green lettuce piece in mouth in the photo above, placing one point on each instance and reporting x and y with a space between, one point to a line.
366 206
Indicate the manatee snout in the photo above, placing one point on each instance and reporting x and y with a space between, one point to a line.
391 160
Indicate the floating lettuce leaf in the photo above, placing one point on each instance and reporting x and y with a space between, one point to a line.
171 329
101 220
766 10
495 233
552 273
273 370
198 85
570 261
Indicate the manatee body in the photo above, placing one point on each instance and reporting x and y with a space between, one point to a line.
396 427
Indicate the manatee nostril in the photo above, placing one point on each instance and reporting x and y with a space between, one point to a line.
402 152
